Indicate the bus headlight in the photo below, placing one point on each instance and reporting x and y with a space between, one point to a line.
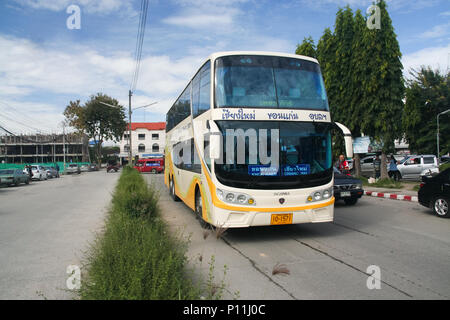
317 196
241 198
230 197
320 195
233 197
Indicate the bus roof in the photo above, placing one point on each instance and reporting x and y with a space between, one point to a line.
216 55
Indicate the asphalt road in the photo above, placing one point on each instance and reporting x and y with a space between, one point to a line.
47 226
409 245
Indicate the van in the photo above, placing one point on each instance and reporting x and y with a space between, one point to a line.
153 165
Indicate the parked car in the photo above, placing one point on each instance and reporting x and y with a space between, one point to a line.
434 193
93 167
112 167
73 168
153 165
367 166
13 177
52 172
416 166
444 160
84 168
347 187
38 173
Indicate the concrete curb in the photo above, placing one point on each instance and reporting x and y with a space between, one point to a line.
391 196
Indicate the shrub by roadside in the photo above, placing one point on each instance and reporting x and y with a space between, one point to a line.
136 258
444 166
382 183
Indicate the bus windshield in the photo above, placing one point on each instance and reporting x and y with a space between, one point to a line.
269 82
304 155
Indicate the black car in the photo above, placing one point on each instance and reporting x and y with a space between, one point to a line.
347 187
434 193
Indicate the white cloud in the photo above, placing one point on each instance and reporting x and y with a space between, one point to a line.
435 57
29 71
438 31
199 14
91 6
20 116
199 21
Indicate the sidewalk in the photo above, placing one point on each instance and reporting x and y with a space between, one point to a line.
395 194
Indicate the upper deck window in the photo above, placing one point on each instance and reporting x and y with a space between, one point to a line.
269 82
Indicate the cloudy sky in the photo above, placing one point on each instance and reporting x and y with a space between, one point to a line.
44 65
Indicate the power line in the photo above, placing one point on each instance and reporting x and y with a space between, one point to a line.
24 139
22 114
20 123
139 43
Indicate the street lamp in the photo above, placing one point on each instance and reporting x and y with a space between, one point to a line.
130 111
437 135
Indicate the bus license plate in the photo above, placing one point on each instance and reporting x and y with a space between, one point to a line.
282 218
346 194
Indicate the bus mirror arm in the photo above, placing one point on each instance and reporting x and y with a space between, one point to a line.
347 139
214 140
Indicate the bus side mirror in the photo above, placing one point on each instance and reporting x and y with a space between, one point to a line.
214 145
347 139
215 140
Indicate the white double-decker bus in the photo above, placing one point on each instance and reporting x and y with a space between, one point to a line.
248 142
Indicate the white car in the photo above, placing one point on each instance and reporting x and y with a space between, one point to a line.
414 167
39 173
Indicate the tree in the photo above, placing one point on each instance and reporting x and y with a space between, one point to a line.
427 95
75 118
357 74
97 121
74 114
382 86
326 55
307 48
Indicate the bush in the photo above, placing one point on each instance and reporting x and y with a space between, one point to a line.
444 166
136 258
382 183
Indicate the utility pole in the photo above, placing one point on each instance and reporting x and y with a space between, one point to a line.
437 134
64 146
130 111
130 152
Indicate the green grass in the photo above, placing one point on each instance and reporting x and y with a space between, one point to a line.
135 257
444 166
382 183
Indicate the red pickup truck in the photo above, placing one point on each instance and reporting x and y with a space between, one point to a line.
153 165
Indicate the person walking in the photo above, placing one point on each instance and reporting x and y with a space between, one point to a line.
393 170
30 171
377 166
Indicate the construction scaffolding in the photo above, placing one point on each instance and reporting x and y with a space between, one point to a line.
43 148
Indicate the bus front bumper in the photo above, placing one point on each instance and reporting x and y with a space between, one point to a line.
240 219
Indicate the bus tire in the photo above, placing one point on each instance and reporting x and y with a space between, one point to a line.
199 209
172 190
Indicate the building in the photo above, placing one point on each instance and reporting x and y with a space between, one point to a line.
147 140
43 148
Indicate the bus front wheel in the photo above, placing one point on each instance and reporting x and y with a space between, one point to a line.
172 191
199 209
